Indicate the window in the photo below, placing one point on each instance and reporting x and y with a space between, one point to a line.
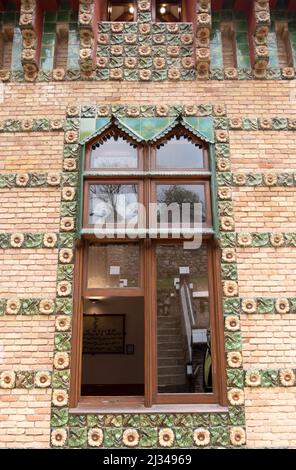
147 300
169 11
119 10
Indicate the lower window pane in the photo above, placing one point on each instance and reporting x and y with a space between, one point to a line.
113 347
183 320
113 265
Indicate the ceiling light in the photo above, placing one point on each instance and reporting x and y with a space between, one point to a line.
131 9
162 10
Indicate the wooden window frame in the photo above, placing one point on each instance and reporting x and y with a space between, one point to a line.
148 290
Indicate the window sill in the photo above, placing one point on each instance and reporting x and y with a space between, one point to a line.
136 405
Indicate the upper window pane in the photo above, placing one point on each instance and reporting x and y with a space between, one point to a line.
113 204
180 153
168 11
113 153
119 10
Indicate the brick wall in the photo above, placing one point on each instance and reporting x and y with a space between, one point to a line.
268 341
29 210
270 417
28 272
266 272
23 152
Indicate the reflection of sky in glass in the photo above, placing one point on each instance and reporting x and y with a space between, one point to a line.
181 194
179 154
113 202
114 154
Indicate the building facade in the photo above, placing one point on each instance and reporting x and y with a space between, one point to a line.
135 339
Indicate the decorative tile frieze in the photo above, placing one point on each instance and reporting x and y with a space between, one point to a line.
34 180
87 32
266 305
203 32
158 51
32 125
228 180
255 378
29 28
34 306
258 239
261 29
25 379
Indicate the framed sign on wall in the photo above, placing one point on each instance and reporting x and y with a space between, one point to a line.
104 334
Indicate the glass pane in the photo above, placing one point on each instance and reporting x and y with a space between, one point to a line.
185 196
183 320
113 266
113 347
113 204
114 153
121 10
168 11
180 153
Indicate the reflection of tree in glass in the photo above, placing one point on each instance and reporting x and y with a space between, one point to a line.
180 195
109 194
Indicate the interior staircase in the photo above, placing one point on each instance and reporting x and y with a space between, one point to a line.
171 347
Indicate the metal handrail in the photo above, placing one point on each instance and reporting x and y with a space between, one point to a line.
188 317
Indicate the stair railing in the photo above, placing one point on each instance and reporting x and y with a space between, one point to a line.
188 320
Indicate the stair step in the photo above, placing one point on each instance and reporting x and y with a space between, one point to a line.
170 361
171 380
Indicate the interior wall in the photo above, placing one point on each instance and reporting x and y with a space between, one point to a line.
118 368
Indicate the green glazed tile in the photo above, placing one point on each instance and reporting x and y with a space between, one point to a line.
61 379
77 421
235 378
59 416
183 438
131 421
77 437
95 421
219 436
233 341
200 420
148 437
236 415
115 421
62 341
270 378
112 437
